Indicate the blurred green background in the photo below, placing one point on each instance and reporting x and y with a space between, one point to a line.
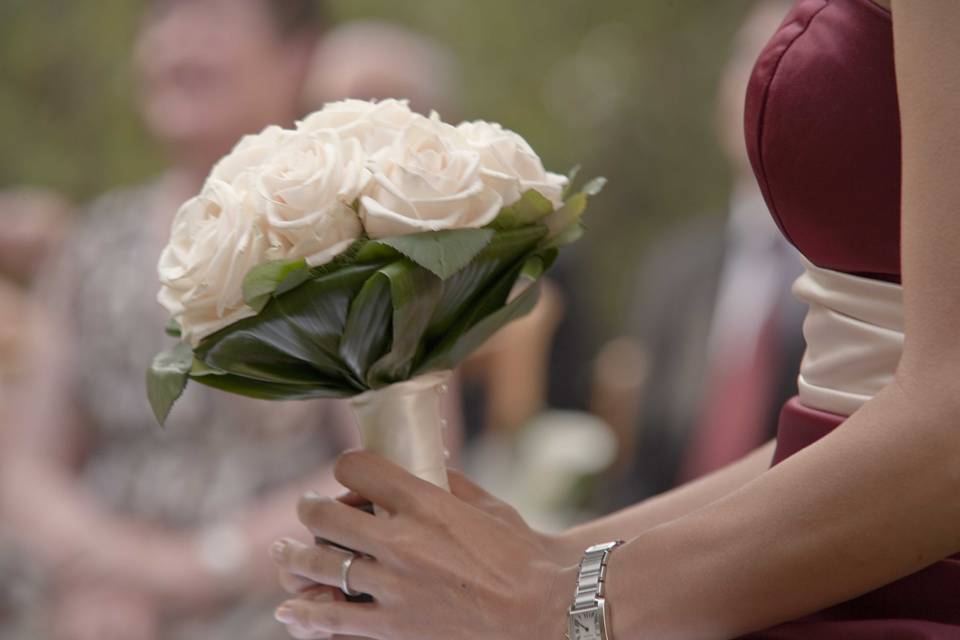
624 87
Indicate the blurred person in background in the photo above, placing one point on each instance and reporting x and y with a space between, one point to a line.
504 385
375 60
146 533
32 223
722 358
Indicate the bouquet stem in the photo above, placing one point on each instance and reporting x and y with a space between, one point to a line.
403 423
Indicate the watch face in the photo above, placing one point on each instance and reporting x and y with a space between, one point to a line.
587 625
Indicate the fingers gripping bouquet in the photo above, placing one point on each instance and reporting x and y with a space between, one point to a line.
363 254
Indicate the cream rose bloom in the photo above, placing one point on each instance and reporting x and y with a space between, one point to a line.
214 241
376 125
509 163
307 190
428 180
278 196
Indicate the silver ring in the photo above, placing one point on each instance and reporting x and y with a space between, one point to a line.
345 575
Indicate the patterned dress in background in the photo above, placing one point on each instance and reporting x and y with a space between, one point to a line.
218 452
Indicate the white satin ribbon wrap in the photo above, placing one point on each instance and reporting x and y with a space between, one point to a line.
403 423
854 334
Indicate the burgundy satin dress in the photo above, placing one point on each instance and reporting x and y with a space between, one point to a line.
823 133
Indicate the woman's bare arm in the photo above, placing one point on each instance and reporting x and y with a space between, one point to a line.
632 521
876 499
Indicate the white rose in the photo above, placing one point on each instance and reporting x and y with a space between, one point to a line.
376 125
308 187
428 180
510 165
251 151
214 241
288 197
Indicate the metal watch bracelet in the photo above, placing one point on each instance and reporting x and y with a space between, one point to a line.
588 615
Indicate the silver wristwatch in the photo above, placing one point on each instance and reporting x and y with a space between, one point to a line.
589 616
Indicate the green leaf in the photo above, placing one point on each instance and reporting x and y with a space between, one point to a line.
567 215
595 186
271 390
564 223
533 268
262 281
468 284
200 368
173 328
442 252
490 315
571 180
568 236
167 378
295 339
530 208
345 259
366 333
415 293
263 353
549 256
375 251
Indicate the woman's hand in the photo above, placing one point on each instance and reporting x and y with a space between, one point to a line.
560 548
439 566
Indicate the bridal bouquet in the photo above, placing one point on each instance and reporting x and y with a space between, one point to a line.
363 254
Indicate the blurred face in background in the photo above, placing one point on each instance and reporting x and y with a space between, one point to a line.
211 71
756 30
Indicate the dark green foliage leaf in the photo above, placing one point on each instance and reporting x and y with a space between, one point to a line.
271 390
167 378
549 256
469 283
530 208
263 280
295 339
488 317
264 353
366 333
415 293
374 251
442 252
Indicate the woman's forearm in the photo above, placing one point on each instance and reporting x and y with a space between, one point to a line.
872 502
632 521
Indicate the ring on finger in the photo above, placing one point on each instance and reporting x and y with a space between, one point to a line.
345 574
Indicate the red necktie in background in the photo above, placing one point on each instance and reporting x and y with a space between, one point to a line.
736 405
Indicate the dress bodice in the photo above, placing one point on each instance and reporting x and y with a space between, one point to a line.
823 132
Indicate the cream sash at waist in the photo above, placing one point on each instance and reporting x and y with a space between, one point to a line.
854 334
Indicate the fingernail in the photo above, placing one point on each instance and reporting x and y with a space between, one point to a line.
312 496
278 550
285 614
